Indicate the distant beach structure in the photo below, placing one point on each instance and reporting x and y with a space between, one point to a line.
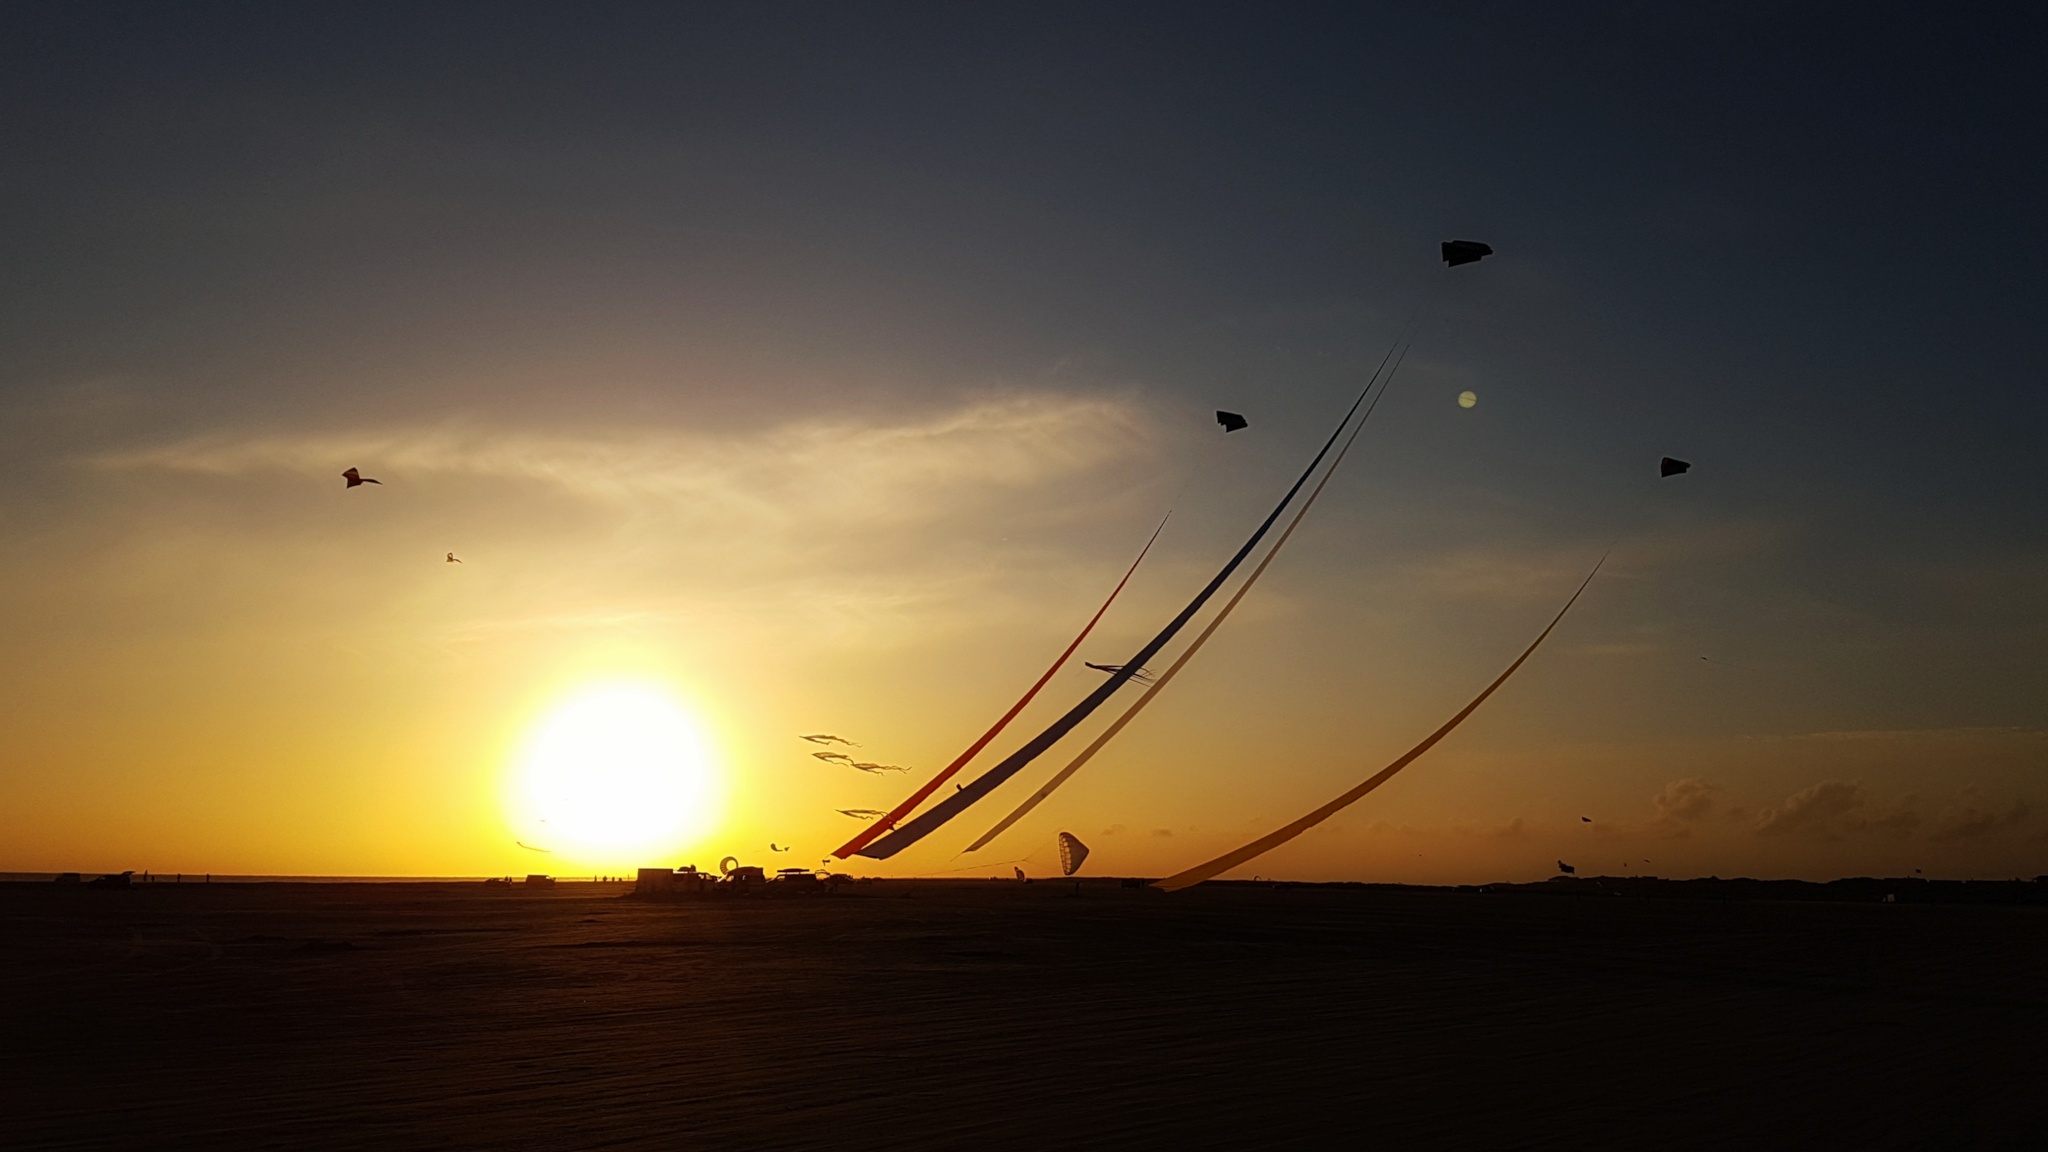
738 880
536 880
664 883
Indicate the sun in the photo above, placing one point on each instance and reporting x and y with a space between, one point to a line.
614 775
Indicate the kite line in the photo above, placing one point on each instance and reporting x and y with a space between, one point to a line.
904 809
987 782
1274 839
1166 677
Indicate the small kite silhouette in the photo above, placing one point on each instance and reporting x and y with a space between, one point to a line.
871 766
834 758
1142 675
828 738
1587 819
531 848
1231 421
452 559
860 813
355 478
1458 252
773 848
1566 868
1669 467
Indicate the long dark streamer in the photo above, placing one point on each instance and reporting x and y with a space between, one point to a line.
888 820
982 785
1166 677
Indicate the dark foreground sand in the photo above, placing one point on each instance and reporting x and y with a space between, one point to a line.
979 1016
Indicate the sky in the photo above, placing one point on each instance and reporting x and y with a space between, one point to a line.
818 368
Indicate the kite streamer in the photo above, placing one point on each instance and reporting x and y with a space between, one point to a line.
988 781
908 806
1274 839
1165 678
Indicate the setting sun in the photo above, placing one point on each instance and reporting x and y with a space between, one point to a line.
615 774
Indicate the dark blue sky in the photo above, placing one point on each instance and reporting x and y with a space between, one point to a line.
1810 230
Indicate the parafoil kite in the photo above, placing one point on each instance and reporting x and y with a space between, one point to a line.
1458 252
1072 853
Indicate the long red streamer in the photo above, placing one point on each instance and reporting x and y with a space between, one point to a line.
918 797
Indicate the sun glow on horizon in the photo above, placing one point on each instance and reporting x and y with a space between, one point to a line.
614 775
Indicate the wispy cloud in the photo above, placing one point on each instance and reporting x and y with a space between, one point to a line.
816 466
1826 811
1681 804
1835 809
1971 818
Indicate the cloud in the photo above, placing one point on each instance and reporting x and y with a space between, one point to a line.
835 531
1682 804
1826 811
821 466
1833 809
1684 801
1969 819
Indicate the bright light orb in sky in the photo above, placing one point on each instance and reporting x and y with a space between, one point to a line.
616 773
1467 399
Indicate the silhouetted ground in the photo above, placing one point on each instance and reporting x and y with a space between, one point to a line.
977 1015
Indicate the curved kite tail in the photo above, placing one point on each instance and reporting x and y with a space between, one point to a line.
1271 840
1165 678
888 822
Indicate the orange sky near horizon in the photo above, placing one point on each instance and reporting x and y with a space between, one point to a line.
821 371
235 666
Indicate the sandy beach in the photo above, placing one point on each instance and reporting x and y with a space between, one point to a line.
984 1015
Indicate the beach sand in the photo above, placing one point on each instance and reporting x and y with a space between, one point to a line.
999 1015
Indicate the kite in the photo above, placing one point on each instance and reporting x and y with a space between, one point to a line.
860 842
452 559
355 478
1131 713
1072 853
828 738
987 782
531 848
1668 467
1567 869
1231 421
859 813
1142 675
1458 252
835 758
1271 840
1586 819
870 766
773 848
